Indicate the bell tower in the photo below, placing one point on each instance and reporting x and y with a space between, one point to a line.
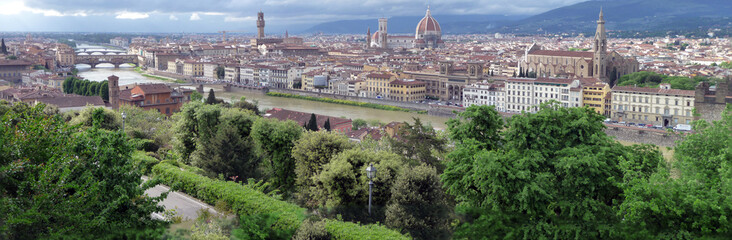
368 37
113 84
599 50
260 25
382 33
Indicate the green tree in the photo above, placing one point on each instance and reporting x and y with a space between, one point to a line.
196 96
481 123
557 175
68 85
418 204
358 124
326 125
276 139
186 130
243 104
152 125
109 119
697 203
420 143
220 72
211 97
312 124
104 90
62 182
78 85
3 48
343 183
311 152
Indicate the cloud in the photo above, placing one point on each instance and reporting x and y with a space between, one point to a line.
132 15
173 17
195 17
238 19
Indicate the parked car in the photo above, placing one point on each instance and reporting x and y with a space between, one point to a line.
631 124
682 127
621 123
641 124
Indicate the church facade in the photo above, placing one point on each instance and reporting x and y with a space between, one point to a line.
428 35
595 64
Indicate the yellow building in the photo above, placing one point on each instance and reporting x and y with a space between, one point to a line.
377 85
407 90
594 96
192 68
65 56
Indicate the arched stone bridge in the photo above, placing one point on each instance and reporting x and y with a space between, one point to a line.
116 60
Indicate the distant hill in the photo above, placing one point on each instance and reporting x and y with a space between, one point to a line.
451 24
644 15
620 15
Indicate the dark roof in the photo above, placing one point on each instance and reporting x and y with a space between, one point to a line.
154 88
73 101
402 82
5 62
379 75
303 117
562 53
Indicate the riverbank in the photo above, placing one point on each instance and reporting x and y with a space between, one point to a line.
139 70
343 102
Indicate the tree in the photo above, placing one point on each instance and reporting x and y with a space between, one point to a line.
312 123
311 152
418 204
108 119
220 72
68 84
326 125
342 185
211 97
104 91
3 48
276 139
481 123
557 174
697 202
243 104
63 182
358 124
419 142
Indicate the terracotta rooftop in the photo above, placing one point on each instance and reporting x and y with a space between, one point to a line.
302 117
562 53
154 88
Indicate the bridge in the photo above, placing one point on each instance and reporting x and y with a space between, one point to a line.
90 50
116 60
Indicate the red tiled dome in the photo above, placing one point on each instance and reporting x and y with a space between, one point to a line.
428 24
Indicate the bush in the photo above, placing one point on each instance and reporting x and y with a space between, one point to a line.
310 230
144 162
352 231
339 101
245 202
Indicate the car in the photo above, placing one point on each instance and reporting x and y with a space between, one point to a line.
631 124
649 125
641 124
621 123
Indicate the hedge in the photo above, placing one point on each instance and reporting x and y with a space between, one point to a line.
339 101
245 201
143 161
351 231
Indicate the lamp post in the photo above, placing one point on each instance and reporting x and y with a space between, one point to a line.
123 121
370 172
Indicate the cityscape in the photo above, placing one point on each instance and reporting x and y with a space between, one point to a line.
492 120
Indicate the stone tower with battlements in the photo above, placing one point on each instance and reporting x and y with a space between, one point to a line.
260 25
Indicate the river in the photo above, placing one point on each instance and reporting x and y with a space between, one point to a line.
128 76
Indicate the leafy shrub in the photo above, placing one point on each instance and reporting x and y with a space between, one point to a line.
143 161
352 231
260 227
310 230
245 201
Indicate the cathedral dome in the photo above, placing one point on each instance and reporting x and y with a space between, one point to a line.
428 25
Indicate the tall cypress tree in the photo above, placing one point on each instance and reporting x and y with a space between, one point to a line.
326 125
313 123
3 48
211 97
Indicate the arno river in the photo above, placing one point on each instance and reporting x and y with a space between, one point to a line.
128 76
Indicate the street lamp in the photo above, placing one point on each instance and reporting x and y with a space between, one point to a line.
370 173
123 121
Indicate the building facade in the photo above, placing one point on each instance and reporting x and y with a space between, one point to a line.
485 93
661 106
407 90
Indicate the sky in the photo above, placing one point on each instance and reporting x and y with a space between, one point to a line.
186 16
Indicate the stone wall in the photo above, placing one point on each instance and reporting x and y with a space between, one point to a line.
408 105
656 137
